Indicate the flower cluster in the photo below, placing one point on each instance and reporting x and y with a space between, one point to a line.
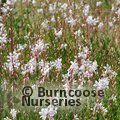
3 33
12 61
82 66
100 107
48 112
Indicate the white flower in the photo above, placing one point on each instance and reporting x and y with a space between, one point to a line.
34 86
52 111
52 8
13 61
84 53
39 47
99 106
66 86
58 63
99 3
74 66
33 2
4 85
91 68
94 65
70 12
113 97
102 83
92 21
13 112
44 67
100 26
53 19
63 46
76 117
4 10
45 24
21 47
71 21
64 16
59 33
110 24
114 19
118 12
78 33
82 69
48 112
87 74
40 11
43 113
117 2
3 39
6 7
7 118
64 6
10 2
86 10
30 67
3 33
109 72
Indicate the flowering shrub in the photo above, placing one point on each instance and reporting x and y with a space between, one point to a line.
74 44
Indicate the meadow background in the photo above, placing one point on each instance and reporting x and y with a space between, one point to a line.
63 42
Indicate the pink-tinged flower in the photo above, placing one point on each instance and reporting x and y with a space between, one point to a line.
102 84
86 10
110 24
48 112
99 106
10 2
39 47
30 67
12 61
74 66
63 46
92 21
58 64
58 33
13 113
100 25
71 21
43 113
44 67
